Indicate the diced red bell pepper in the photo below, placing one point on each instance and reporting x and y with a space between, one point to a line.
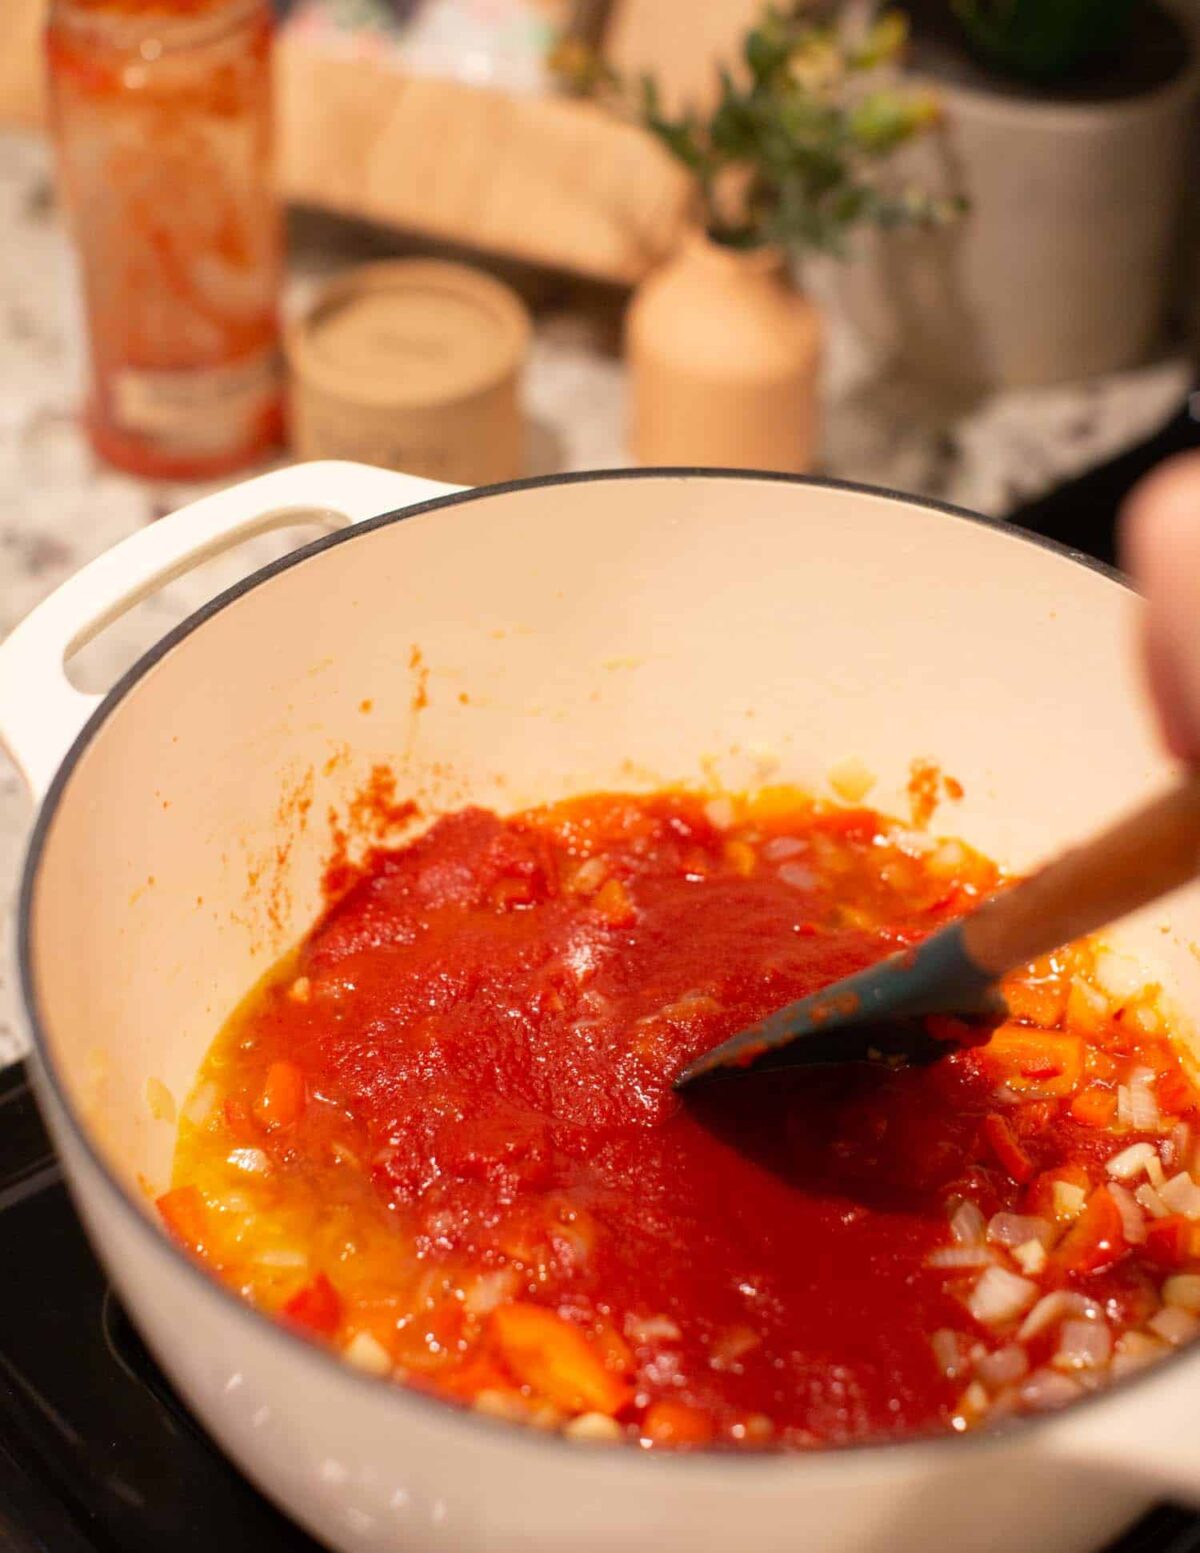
316 1308
1008 1152
282 1100
1096 1239
1094 1106
184 1213
1171 1242
555 1360
1173 1093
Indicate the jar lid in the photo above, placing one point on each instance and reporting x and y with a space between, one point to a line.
410 332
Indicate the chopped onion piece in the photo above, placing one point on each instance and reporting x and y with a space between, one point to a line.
1131 1162
1003 1368
719 812
1017 1229
1183 1290
1119 975
1124 1106
1177 1148
651 1329
1174 1325
731 1346
1068 1200
200 1107
967 1224
1031 1257
1133 1222
1181 1195
282 1256
1083 1345
1143 1108
253 1162
799 877
1151 1201
593 1426
1155 1172
367 1353
947 1351
999 1296
851 780
780 848
489 1290
1056 1307
960 1257
972 1405
1135 1350
1046 1389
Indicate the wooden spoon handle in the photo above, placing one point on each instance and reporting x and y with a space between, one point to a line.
1140 858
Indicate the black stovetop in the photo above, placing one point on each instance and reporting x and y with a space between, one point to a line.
97 1454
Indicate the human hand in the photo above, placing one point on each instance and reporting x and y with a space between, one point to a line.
1160 547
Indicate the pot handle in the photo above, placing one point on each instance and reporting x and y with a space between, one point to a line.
1144 1431
40 710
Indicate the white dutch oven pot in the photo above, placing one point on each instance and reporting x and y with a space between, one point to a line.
608 630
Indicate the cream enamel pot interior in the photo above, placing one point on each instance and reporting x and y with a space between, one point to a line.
608 630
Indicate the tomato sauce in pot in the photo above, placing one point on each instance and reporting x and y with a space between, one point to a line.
442 1138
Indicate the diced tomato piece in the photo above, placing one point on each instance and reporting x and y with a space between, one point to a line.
316 1308
1172 1242
1094 1106
554 1358
674 1423
283 1096
1048 1061
1096 1239
612 902
1173 1092
184 1213
1009 1153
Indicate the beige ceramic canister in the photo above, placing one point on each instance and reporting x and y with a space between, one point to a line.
412 364
724 357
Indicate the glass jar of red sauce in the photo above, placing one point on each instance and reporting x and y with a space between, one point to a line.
162 115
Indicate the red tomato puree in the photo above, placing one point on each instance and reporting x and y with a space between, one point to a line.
442 1138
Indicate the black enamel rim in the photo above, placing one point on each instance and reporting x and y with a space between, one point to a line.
730 1461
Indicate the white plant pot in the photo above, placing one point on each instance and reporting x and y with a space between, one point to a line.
1062 268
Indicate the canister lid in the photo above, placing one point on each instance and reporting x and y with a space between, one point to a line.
409 332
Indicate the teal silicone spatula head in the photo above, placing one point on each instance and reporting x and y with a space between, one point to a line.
882 1011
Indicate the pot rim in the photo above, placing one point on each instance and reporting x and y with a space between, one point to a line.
1072 117
734 1465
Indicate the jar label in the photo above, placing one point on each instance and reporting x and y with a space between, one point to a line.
198 409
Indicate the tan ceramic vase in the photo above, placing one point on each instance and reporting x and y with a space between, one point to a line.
723 354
